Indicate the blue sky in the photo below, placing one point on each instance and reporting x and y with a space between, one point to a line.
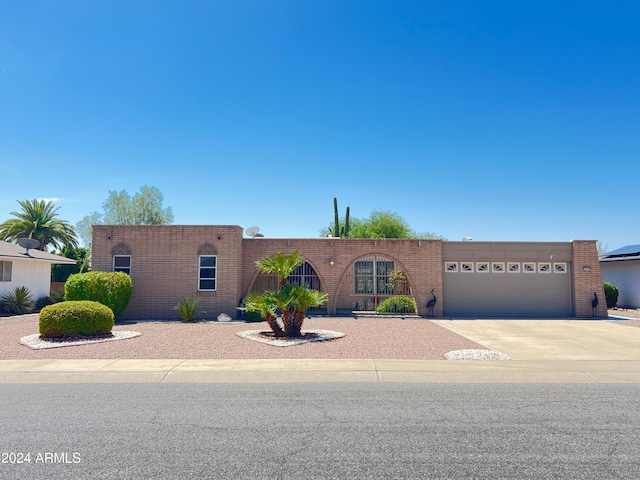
498 120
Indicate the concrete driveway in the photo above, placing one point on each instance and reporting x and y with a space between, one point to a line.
552 339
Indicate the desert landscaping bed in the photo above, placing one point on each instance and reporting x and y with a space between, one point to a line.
390 338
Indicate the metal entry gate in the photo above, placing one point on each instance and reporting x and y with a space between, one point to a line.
366 285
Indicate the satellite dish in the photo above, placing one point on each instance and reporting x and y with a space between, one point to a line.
252 232
28 243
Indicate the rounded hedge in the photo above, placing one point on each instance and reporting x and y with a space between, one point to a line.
112 289
75 319
398 304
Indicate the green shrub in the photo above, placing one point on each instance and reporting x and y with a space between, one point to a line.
188 307
75 319
398 304
611 295
17 301
253 317
112 289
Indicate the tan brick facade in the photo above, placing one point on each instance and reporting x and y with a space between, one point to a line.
164 265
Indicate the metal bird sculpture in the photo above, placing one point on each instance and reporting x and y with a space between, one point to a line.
594 304
431 303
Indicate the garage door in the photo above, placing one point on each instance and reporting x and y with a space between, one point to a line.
507 289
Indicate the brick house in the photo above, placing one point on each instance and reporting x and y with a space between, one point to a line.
480 279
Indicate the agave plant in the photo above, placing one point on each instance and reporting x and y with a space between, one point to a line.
18 301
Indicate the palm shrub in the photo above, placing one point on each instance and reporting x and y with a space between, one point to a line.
292 301
75 319
188 307
304 299
112 289
398 304
610 294
263 306
18 301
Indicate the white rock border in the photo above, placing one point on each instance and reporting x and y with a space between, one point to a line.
321 335
476 354
36 343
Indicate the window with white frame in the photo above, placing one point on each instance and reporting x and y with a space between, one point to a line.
122 263
208 266
5 271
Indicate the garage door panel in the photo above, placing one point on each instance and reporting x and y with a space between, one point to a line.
507 294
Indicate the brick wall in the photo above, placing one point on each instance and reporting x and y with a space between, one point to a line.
420 260
587 279
164 265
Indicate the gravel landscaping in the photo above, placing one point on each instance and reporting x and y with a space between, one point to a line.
381 338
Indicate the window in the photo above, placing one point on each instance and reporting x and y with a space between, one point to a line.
122 263
207 273
371 277
5 271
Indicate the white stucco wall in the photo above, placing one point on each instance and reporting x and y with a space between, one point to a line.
626 276
35 275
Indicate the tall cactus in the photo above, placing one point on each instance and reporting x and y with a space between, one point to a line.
346 224
339 231
336 223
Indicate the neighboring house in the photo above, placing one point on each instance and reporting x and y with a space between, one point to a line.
32 269
621 268
472 279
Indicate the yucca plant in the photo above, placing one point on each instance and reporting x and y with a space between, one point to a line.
18 301
187 307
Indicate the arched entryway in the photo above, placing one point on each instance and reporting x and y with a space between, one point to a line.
367 282
304 274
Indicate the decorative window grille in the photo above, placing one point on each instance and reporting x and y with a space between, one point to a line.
497 267
560 267
466 266
451 266
529 267
482 266
544 267
513 267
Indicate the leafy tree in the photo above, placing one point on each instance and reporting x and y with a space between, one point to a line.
381 224
144 208
60 272
39 220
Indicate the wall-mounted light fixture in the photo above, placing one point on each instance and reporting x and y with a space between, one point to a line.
332 261
586 268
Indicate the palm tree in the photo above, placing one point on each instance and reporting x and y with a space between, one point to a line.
38 220
281 264
262 305
303 299
291 300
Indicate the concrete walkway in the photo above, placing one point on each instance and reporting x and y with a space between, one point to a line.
542 351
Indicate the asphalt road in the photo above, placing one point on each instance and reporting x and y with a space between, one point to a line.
234 431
